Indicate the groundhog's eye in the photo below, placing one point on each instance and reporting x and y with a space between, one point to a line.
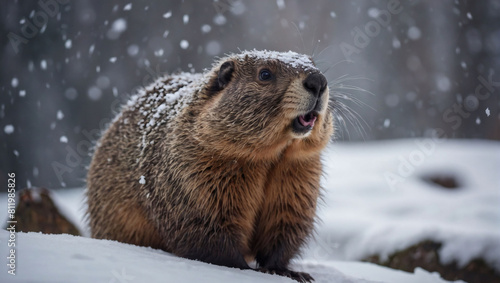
265 75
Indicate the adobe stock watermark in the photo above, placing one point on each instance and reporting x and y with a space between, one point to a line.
11 223
75 156
222 6
456 113
426 147
33 25
408 164
326 247
361 37
121 277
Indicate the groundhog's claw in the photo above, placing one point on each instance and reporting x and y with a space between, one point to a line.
301 277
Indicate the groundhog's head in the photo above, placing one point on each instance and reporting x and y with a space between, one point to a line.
262 104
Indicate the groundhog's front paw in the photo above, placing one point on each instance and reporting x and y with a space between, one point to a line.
301 277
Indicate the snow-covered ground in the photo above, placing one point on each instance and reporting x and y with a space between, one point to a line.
66 258
375 202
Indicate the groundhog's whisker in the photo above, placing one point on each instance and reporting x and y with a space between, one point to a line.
349 97
342 93
343 112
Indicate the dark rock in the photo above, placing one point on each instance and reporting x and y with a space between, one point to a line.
37 212
444 181
426 255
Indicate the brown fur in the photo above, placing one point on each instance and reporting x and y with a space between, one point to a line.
226 178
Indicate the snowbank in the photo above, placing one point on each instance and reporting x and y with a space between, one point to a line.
66 258
365 213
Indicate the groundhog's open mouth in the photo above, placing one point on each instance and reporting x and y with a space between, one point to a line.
304 123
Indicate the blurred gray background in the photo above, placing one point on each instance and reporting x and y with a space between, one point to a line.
67 66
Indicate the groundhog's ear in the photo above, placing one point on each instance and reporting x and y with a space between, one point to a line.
225 73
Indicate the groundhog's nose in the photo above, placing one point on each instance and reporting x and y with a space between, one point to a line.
316 84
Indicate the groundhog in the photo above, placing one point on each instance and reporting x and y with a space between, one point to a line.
222 167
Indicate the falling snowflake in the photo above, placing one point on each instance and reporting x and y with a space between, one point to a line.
167 14
414 33
206 28
387 123
94 93
220 20
396 43
117 28
159 52
9 129
184 44
281 4
373 12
